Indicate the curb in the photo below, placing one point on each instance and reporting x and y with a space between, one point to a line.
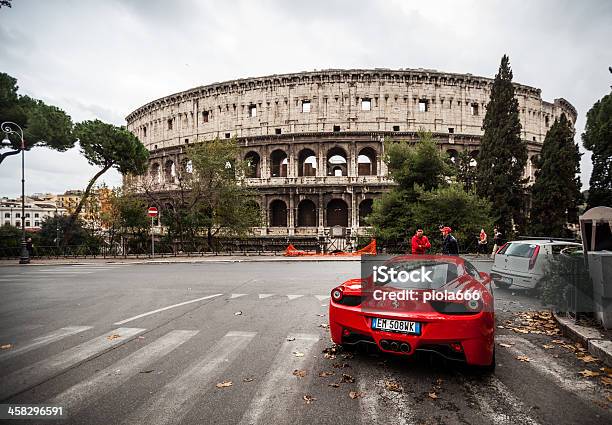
589 337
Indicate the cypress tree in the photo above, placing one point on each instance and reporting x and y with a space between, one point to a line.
556 191
598 139
503 155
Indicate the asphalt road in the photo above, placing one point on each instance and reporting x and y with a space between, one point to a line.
148 343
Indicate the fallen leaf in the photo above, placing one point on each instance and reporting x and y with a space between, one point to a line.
324 325
606 380
588 359
609 398
355 394
520 330
433 395
548 346
558 341
298 354
247 379
299 373
501 327
325 374
606 370
523 358
334 385
393 386
347 378
238 313
589 373
146 371
141 337
341 365
505 345
113 336
290 338
321 315
308 399
224 384
6 346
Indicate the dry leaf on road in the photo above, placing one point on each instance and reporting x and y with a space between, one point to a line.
224 384
588 359
523 358
355 394
290 338
247 379
6 346
505 345
324 325
299 373
393 386
432 395
326 374
333 385
298 354
589 373
606 380
238 313
308 398
347 378
113 336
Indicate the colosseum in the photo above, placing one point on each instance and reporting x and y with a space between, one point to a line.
315 139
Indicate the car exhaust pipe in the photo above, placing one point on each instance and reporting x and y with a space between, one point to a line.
394 346
384 344
405 347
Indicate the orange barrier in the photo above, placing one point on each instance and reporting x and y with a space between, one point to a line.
369 249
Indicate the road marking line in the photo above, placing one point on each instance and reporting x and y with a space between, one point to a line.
121 322
80 395
293 297
59 272
322 297
371 409
45 369
546 365
44 340
261 296
173 401
237 296
497 393
280 388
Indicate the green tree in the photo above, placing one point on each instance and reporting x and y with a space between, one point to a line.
43 125
52 229
466 170
556 191
598 139
10 239
107 146
503 155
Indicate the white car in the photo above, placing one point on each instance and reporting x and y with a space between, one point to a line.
522 264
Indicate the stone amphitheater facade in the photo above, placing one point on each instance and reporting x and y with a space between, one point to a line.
315 139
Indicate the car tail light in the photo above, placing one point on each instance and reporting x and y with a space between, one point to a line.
456 346
336 294
534 257
501 247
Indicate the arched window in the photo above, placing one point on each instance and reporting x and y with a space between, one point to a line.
307 163
365 209
252 165
337 213
279 162
307 214
336 162
155 173
453 156
366 162
169 171
278 213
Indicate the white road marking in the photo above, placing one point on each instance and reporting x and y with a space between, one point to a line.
546 365
491 395
172 402
264 296
80 395
322 297
293 297
44 340
60 272
148 313
279 388
237 296
45 369
374 395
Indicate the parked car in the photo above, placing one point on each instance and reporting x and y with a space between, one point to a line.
522 263
456 330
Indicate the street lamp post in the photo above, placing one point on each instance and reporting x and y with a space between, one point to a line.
8 127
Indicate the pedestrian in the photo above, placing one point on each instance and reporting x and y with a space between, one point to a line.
420 243
30 247
482 243
497 235
450 245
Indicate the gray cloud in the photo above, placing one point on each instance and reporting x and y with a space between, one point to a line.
104 59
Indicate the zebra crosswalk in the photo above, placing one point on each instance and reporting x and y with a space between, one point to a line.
275 394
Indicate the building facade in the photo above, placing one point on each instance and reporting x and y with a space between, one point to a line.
35 212
314 140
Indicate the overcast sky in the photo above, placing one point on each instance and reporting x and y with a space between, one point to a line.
103 59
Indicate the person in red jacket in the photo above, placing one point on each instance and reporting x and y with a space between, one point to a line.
420 243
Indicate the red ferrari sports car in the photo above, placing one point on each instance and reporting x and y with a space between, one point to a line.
409 304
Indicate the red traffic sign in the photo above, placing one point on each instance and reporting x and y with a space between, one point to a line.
152 212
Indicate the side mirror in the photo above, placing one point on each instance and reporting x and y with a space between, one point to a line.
485 275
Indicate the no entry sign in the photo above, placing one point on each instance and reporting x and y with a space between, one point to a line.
152 212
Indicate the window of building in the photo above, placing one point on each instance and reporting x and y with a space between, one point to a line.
27 224
451 130
336 128
18 224
474 108
7 215
37 224
423 105
205 116
144 131
155 147
252 111
7 222
277 131
170 124
186 141
18 215
36 215
366 104
534 139
306 106
227 135
396 128
546 121
27 215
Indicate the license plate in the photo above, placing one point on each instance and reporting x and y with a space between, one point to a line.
390 325
506 280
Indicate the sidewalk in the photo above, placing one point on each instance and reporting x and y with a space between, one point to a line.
599 342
